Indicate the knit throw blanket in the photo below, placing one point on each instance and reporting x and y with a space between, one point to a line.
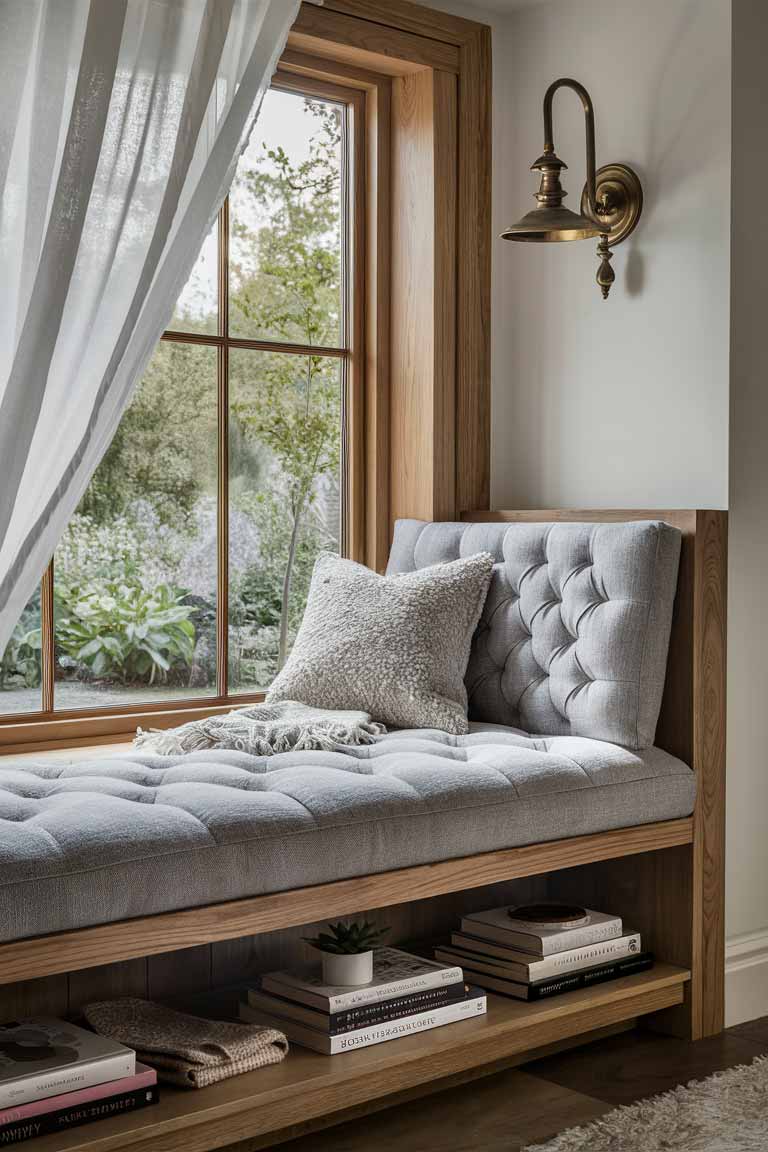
264 729
186 1050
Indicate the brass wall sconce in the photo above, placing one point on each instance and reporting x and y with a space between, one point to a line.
611 202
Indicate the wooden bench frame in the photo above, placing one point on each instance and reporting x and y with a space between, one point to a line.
692 726
667 877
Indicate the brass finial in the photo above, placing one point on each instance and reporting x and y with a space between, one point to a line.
605 274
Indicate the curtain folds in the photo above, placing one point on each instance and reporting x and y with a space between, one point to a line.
123 122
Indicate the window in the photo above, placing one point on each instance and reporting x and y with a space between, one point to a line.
184 572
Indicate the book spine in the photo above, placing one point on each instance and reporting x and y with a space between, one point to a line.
144 1078
370 1014
580 937
592 976
424 1021
66 1079
577 958
540 946
61 1119
361 996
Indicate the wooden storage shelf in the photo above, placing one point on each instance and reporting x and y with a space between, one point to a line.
81 948
307 1085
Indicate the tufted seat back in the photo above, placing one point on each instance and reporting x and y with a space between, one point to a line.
574 635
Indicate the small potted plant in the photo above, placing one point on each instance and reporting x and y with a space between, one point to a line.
347 952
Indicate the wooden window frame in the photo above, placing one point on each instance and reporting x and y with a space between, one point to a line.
419 82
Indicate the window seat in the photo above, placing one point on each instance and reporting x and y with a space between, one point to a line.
93 841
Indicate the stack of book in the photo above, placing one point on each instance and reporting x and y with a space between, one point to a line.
55 1076
530 954
407 994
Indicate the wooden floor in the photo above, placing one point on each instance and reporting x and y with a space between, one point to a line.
507 1111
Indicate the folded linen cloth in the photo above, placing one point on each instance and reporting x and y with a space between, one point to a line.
186 1050
264 729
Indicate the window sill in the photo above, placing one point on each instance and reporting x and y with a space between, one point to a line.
46 732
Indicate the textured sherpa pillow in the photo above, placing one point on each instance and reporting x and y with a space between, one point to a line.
394 646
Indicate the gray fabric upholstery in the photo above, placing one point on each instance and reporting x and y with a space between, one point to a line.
574 634
395 647
99 840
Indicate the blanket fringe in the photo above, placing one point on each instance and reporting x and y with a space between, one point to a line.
264 730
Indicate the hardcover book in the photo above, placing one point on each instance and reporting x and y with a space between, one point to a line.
497 925
337 1023
523 966
558 985
144 1077
395 973
472 1005
41 1057
61 1119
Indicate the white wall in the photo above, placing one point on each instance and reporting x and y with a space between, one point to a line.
621 402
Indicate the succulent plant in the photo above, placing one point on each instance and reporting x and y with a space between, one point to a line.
348 939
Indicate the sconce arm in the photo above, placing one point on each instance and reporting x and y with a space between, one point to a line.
589 120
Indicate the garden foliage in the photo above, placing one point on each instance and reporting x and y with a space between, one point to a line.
135 575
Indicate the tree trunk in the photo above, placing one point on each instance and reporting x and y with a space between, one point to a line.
285 606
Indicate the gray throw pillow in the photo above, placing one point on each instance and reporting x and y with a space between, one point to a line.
394 646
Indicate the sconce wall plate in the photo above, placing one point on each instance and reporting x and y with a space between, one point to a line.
619 196
611 203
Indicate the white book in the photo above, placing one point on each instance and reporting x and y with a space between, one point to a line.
516 965
475 1005
497 925
41 1057
395 973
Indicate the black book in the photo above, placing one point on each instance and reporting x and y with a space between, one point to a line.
363 1016
62 1119
556 985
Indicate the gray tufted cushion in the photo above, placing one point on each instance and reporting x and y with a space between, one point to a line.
575 630
105 839
394 647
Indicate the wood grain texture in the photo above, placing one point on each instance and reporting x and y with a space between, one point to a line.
378 111
306 1085
368 44
170 931
410 17
709 721
473 364
412 283
423 279
34 998
444 287
127 978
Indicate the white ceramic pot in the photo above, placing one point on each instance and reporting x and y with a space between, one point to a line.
347 971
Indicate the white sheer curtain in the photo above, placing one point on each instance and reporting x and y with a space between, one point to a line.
121 125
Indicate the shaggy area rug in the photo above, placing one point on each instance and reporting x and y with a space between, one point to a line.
728 1112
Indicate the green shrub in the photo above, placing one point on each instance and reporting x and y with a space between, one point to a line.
20 663
126 633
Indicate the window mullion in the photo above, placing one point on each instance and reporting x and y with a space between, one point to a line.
222 511
47 640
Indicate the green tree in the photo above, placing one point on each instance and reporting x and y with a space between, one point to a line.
163 437
289 404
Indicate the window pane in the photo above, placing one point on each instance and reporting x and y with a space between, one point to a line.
20 666
197 307
285 212
285 468
135 574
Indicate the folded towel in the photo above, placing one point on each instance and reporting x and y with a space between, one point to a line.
186 1050
264 729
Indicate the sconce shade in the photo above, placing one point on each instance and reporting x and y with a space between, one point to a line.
550 224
